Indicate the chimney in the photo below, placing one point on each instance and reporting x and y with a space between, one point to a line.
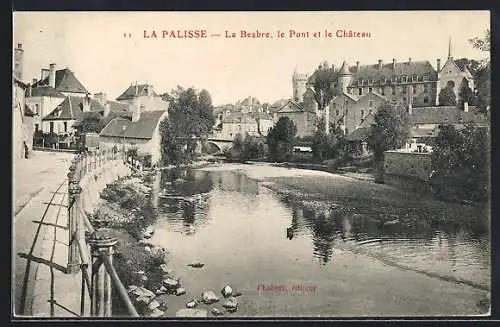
34 81
86 103
380 63
136 88
44 74
409 61
18 61
393 64
466 107
149 90
52 75
136 111
28 94
357 66
438 65
107 109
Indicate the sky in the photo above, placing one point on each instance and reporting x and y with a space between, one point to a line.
93 45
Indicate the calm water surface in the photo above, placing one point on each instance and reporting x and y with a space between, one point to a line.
238 229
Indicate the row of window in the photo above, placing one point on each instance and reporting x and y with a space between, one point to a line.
395 79
51 128
381 90
362 112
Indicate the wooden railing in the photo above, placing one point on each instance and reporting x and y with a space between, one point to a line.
89 247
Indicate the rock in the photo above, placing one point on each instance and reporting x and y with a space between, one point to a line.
132 288
165 268
236 294
153 305
217 312
209 297
180 291
147 249
156 313
192 313
140 272
231 305
170 283
192 304
227 291
144 278
143 299
147 292
196 264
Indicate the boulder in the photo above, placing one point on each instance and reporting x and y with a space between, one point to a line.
216 312
153 305
171 283
180 291
391 222
156 313
236 294
165 268
227 291
195 313
192 304
147 292
132 288
231 305
209 297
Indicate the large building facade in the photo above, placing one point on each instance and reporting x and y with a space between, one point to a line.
360 89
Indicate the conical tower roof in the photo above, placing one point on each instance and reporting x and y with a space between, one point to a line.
344 70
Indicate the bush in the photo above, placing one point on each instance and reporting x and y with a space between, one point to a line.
327 146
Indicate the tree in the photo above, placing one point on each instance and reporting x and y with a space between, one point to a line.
280 139
327 146
465 94
190 117
447 97
460 162
323 91
482 74
92 122
389 131
483 43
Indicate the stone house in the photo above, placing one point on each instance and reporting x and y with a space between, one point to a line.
140 131
256 124
303 118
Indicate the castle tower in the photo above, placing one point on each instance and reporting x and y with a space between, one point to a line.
299 86
18 61
344 77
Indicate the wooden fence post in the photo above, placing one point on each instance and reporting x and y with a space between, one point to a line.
102 243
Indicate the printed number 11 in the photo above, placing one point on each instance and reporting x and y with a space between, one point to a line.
127 35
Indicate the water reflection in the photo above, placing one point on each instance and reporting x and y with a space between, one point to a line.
258 221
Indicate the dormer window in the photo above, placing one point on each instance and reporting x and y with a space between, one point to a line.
403 78
414 78
394 79
426 77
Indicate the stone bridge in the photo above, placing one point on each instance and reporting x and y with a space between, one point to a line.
219 145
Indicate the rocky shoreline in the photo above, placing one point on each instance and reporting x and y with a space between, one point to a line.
127 208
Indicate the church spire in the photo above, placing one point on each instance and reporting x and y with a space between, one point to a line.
449 48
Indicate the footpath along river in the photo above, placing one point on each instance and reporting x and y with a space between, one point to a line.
309 243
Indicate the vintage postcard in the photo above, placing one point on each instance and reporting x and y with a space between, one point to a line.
251 164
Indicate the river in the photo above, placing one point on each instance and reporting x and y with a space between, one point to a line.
290 260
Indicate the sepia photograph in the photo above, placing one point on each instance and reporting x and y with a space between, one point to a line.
218 165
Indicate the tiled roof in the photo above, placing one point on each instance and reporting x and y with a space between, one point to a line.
446 115
330 72
65 82
144 128
132 92
28 112
72 109
344 70
359 134
418 68
292 106
87 114
46 91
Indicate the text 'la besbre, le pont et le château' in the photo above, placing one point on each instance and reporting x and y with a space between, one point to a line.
201 34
